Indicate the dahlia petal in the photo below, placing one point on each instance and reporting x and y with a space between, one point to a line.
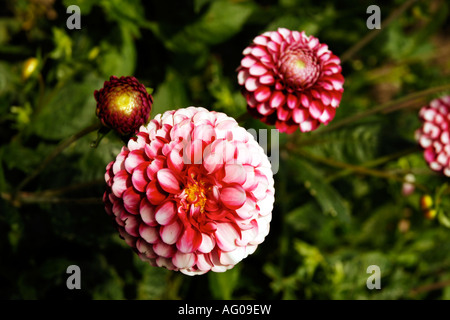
276 37
134 158
251 84
131 200
132 225
258 52
139 177
175 161
248 61
316 109
163 250
226 236
299 115
233 257
154 194
327 115
242 76
120 183
265 108
183 260
267 79
233 197
165 213
149 234
257 70
260 40
168 181
203 262
262 94
277 99
234 173
189 241
283 113
207 245
147 212
292 101
170 233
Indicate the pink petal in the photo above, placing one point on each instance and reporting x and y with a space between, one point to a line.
163 250
175 161
267 79
147 212
283 114
139 177
184 260
168 181
277 99
292 101
316 109
189 241
149 234
264 108
251 84
131 200
248 61
226 236
154 194
233 197
257 70
132 225
234 173
165 213
170 233
232 257
208 244
135 158
262 93
299 115
120 183
327 115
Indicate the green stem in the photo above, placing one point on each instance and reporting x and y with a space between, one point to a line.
386 107
355 168
60 148
374 163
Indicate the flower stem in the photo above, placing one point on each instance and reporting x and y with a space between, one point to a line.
355 168
63 145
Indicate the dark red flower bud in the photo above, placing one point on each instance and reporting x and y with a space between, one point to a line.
123 104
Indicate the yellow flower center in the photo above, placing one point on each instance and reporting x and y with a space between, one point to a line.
123 101
196 194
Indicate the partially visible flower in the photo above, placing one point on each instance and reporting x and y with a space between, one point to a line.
123 104
291 80
192 192
434 135
408 184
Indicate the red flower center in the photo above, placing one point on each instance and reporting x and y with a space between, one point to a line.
299 67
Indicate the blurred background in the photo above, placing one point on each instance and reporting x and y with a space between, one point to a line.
342 198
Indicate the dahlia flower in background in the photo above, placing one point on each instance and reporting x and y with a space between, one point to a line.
434 135
291 80
192 192
123 104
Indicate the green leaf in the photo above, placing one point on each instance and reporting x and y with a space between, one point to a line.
171 94
71 109
223 284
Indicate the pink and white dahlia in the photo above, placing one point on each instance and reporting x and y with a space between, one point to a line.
434 135
192 192
291 80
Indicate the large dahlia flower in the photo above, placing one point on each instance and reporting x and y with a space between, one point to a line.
291 80
192 192
123 104
434 135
